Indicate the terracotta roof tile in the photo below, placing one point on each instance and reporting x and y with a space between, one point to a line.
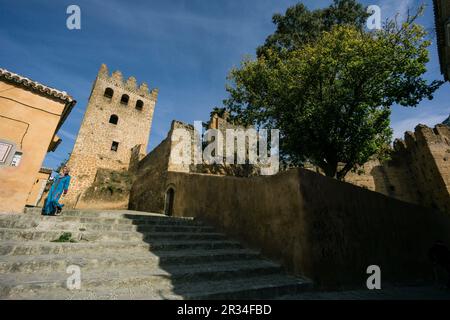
34 85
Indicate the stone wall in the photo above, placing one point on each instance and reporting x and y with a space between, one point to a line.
419 171
109 190
431 151
137 154
315 226
151 176
93 146
154 167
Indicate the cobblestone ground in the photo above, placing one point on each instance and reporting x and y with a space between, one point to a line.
391 293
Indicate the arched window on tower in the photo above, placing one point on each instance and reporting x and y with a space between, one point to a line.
113 119
108 93
124 99
139 105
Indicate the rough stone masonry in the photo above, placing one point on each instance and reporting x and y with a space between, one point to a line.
118 119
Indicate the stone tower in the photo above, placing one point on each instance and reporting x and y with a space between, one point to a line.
115 128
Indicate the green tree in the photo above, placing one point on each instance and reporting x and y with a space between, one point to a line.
331 98
300 26
220 111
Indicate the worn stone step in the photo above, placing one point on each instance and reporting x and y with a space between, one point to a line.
18 221
126 254
71 225
157 286
36 248
135 260
136 228
24 221
42 248
115 214
157 276
49 235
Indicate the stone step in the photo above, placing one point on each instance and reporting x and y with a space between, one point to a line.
118 247
74 225
36 248
138 228
19 220
171 285
49 235
127 254
156 275
112 214
58 263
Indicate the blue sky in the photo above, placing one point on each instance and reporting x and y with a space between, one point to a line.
183 47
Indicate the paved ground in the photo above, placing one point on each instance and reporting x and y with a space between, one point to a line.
392 293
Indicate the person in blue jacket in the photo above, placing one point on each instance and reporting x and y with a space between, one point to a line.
59 187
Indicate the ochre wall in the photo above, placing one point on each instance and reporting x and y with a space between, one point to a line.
29 120
39 185
324 229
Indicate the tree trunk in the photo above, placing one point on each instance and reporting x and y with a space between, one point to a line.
330 169
341 174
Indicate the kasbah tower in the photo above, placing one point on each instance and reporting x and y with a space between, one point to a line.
115 128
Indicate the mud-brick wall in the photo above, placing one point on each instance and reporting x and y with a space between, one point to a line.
324 229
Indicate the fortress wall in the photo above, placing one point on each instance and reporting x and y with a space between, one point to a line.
419 171
315 226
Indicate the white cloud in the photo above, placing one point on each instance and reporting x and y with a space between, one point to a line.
390 8
408 124
67 134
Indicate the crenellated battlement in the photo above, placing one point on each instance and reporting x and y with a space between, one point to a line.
419 170
423 135
116 79
115 129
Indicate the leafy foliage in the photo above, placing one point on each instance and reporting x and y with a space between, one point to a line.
65 237
300 26
331 98
219 111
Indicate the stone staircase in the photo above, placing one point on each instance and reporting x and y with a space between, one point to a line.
131 255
